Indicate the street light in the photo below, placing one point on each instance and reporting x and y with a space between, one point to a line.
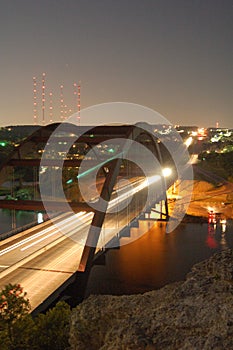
166 172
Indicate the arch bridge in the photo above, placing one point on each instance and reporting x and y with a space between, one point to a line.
110 174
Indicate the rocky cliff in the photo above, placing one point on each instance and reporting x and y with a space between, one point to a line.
193 314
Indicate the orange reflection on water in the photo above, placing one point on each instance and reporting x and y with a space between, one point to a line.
210 240
134 258
154 259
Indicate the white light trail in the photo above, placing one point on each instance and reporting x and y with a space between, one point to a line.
83 216
26 240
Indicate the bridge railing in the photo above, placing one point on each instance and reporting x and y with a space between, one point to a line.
13 232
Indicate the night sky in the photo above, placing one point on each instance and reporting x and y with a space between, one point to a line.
174 56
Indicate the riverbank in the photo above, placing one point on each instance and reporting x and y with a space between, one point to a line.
193 314
205 197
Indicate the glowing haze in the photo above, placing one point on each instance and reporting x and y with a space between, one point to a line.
174 56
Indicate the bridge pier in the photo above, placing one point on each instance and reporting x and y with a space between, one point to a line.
75 292
134 223
125 232
158 211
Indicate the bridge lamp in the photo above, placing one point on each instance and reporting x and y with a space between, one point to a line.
167 172
40 218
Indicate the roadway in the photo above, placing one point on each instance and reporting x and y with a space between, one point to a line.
43 258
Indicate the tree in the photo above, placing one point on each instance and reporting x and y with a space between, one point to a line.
52 329
14 309
19 331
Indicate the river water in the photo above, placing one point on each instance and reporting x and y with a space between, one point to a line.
158 258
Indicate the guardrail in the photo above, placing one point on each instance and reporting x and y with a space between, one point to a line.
14 232
8 234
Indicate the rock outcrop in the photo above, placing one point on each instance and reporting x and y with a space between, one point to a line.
193 314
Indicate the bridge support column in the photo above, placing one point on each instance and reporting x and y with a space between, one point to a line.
75 292
158 212
125 232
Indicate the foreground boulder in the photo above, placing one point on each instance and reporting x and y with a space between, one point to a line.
193 314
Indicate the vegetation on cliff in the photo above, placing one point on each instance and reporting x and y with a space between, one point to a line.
19 331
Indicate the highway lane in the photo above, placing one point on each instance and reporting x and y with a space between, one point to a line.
15 251
44 273
24 246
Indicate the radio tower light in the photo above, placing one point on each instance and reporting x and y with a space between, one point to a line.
34 102
61 102
77 94
50 107
79 102
43 98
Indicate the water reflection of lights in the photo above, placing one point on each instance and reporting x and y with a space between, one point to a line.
223 225
223 241
210 240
